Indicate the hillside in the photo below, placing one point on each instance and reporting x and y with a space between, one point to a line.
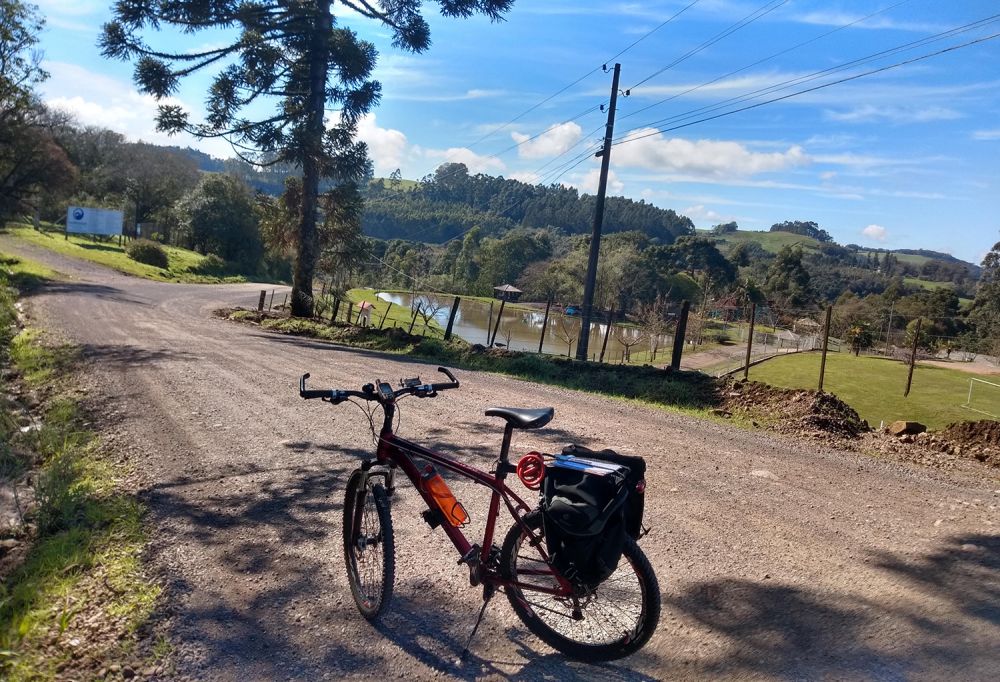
450 202
772 242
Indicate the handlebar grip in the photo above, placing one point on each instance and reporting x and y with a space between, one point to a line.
445 386
312 393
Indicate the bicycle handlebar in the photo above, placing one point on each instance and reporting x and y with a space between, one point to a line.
337 396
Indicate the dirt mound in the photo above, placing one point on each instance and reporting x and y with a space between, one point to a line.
795 411
985 432
978 440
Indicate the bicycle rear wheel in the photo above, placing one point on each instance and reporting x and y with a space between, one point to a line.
369 548
613 621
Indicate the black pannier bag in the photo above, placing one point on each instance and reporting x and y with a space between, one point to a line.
635 481
588 507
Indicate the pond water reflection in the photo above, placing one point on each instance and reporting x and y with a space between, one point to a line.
521 327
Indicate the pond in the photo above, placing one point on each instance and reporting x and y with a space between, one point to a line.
521 327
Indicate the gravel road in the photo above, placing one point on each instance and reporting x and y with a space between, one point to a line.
776 558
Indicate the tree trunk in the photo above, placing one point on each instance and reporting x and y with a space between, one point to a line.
308 246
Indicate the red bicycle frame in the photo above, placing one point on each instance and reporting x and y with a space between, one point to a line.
396 452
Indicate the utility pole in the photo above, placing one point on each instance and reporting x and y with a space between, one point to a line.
595 239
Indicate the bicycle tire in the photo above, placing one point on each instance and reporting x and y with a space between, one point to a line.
369 546
594 637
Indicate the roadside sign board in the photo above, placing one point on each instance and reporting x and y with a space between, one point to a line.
83 220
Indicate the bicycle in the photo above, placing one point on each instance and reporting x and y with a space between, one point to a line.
610 621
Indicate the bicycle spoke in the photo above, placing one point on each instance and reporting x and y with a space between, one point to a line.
612 613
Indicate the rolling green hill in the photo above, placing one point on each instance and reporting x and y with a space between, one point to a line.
772 242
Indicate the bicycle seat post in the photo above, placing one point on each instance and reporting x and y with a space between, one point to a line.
508 432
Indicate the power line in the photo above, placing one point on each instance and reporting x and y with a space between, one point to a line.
758 13
584 76
766 59
812 89
818 74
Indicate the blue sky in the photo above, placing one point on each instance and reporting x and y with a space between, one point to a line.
907 158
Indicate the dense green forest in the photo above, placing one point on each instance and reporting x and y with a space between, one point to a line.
446 204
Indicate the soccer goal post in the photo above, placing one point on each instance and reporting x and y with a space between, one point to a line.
984 398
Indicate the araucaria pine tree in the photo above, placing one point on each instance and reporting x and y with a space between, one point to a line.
294 61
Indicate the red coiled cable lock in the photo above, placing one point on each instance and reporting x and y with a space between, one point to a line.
531 470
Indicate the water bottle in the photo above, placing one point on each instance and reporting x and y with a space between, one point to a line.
453 511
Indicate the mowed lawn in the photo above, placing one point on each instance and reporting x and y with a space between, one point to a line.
874 387
183 267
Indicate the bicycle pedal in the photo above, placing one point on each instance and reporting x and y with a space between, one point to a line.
471 557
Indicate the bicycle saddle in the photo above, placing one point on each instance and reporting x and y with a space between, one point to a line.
523 418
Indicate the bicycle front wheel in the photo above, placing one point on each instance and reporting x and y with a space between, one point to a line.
369 549
613 621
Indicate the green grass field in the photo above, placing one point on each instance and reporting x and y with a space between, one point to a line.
772 242
874 387
930 286
183 263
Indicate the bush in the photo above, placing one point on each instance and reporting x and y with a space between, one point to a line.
211 265
150 253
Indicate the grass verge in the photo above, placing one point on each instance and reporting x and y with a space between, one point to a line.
686 390
184 265
874 387
74 591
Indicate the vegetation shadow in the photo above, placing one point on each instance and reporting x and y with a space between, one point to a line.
776 630
267 529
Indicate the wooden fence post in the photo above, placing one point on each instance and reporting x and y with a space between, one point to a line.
675 359
451 318
913 356
336 309
386 314
260 303
497 325
270 301
489 323
607 332
414 320
826 345
545 324
753 318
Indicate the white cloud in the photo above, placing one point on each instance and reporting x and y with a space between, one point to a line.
476 163
876 232
556 140
986 134
387 147
702 214
868 113
707 158
587 182
878 23
111 103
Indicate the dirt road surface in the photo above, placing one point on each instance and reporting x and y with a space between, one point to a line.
777 559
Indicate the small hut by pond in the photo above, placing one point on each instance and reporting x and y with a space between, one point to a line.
506 292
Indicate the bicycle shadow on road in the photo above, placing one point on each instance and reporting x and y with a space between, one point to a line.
434 628
947 620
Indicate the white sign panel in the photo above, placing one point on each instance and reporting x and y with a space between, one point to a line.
82 220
